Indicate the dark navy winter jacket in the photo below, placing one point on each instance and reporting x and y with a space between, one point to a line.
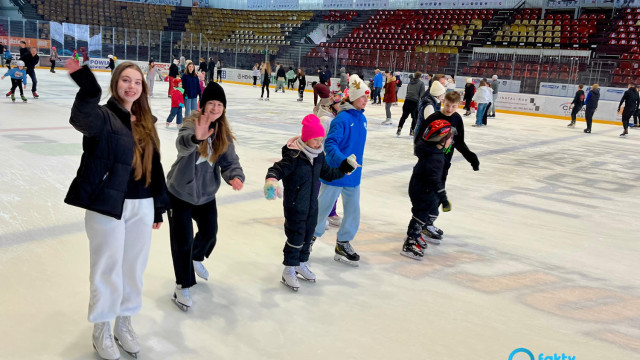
591 102
300 180
191 86
102 179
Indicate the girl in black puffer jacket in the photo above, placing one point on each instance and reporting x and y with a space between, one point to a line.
121 185
301 167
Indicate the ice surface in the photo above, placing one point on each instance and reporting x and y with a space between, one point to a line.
541 248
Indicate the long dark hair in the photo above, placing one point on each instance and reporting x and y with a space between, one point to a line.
144 131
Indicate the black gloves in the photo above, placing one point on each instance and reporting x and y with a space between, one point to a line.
446 205
345 167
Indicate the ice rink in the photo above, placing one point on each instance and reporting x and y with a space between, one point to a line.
541 249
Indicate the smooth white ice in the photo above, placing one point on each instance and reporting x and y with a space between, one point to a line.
541 248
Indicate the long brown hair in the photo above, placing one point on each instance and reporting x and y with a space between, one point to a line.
144 131
267 68
221 135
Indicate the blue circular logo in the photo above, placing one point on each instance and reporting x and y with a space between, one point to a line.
521 350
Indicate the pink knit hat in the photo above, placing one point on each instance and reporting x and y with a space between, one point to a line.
311 128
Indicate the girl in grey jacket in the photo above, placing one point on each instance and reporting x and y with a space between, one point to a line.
205 154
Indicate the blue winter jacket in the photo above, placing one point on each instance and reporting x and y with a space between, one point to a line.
347 135
191 86
378 80
18 74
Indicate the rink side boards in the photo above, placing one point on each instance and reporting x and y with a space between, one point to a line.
551 107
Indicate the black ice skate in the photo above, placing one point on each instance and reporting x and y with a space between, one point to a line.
24 98
412 249
430 234
346 254
571 125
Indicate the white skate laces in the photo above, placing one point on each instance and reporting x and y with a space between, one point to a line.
347 248
305 272
125 335
103 341
289 278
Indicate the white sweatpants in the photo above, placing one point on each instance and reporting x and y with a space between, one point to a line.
119 250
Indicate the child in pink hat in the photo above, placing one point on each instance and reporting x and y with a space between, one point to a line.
300 169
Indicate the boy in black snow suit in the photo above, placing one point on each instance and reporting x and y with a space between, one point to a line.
302 165
426 187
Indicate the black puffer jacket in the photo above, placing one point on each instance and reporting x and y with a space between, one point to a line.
101 182
300 179
469 91
173 71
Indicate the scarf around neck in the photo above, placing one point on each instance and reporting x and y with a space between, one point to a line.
296 143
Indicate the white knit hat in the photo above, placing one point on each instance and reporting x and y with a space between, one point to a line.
495 77
469 80
437 89
357 88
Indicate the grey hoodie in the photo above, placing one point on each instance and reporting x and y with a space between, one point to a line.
343 77
192 178
415 90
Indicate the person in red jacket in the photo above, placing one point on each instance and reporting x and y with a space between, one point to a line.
390 96
177 103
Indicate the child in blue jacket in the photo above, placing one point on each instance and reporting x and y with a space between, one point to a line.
347 135
18 77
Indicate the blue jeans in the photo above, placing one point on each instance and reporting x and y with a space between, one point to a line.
482 107
351 204
175 111
190 105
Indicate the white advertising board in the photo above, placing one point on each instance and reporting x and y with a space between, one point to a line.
553 105
555 89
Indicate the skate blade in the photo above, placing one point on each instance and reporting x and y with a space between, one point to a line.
344 260
180 305
289 286
412 256
132 354
304 278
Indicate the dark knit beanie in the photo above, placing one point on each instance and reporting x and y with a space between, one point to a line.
213 91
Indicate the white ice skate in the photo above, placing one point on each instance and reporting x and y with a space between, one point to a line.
335 221
200 270
125 336
289 278
103 341
306 273
386 122
182 298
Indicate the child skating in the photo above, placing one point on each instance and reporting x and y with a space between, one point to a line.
426 187
18 77
177 103
300 169
347 135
